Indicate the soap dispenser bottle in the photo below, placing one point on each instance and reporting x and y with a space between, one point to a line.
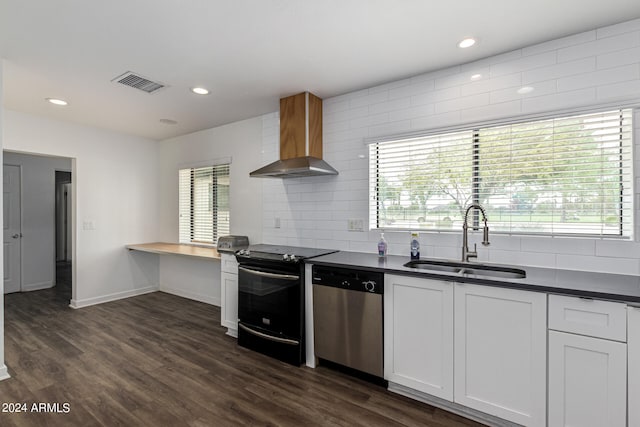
382 246
415 246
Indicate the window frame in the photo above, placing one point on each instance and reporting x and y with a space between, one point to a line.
187 231
627 224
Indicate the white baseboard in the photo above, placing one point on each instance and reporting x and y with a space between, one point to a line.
456 408
111 297
4 372
232 332
37 286
191 295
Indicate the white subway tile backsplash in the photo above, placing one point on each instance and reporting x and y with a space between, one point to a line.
559 101
600 77
582 70
490 84
618 58
619 91
613 30
560 43
598 264
523 63
562 69
599 46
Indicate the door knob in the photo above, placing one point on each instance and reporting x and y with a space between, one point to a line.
15 236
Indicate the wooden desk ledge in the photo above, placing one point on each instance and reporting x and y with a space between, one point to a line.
176 249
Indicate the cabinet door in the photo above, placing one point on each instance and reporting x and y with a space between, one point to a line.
633 343
587 381
229 303
418 328
501 352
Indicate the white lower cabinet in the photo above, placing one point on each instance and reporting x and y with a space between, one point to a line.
501 352
587 381
633 355
229 294
419 334
481 347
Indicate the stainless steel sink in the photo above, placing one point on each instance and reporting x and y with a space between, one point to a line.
468 269
434 266
502 273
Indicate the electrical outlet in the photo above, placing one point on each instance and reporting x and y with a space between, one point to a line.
355 225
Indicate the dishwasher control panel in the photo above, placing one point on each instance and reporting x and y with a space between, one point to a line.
348 278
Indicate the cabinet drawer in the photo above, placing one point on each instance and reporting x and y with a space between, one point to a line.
595 318
229 263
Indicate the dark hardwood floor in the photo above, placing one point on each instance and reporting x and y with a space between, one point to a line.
161 360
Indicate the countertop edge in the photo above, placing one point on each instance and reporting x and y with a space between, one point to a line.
522 284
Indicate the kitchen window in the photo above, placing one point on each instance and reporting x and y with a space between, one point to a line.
204 203
569 175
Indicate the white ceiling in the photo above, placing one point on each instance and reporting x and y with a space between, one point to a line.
250 53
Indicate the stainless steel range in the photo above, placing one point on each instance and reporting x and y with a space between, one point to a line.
271 300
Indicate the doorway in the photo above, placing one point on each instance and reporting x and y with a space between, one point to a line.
63 232
39 232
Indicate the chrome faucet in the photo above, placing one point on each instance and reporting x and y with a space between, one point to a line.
466 253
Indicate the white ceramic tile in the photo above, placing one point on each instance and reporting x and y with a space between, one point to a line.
391 105
490 84
600 77
621 28
368 99
562 69
559 101
511 94
487 62
462 103
618 58
560 43
616 91
390 86
390 128
436 121
493 111
346 115
618 249
412 112
435 96
532 259
524 63
599 46
559 245
598 264
411 89
369 120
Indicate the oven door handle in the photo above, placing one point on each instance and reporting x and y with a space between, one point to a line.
269 275
268 337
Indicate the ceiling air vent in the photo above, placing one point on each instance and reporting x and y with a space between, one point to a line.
138 82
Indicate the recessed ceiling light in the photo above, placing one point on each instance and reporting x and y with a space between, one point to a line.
468 42
57 101
476 77
168 122
200 91
524 90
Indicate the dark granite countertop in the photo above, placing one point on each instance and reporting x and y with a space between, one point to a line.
616 287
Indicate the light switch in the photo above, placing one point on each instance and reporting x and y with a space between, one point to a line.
276 222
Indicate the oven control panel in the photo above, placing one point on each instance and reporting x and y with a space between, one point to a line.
347 278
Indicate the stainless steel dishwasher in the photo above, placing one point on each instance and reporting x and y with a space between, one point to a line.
347 317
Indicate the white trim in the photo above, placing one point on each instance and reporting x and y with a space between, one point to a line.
306 123
4 373
191 295
111 297
467 126
453 407
38 286
205 163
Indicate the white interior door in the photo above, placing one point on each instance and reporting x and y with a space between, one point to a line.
12 234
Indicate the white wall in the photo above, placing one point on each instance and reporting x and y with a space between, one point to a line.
38 217
588 69
240 141
3 369
115 189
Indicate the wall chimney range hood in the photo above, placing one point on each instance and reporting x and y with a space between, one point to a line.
300 140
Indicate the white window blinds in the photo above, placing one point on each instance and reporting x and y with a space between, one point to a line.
204 203
560 176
